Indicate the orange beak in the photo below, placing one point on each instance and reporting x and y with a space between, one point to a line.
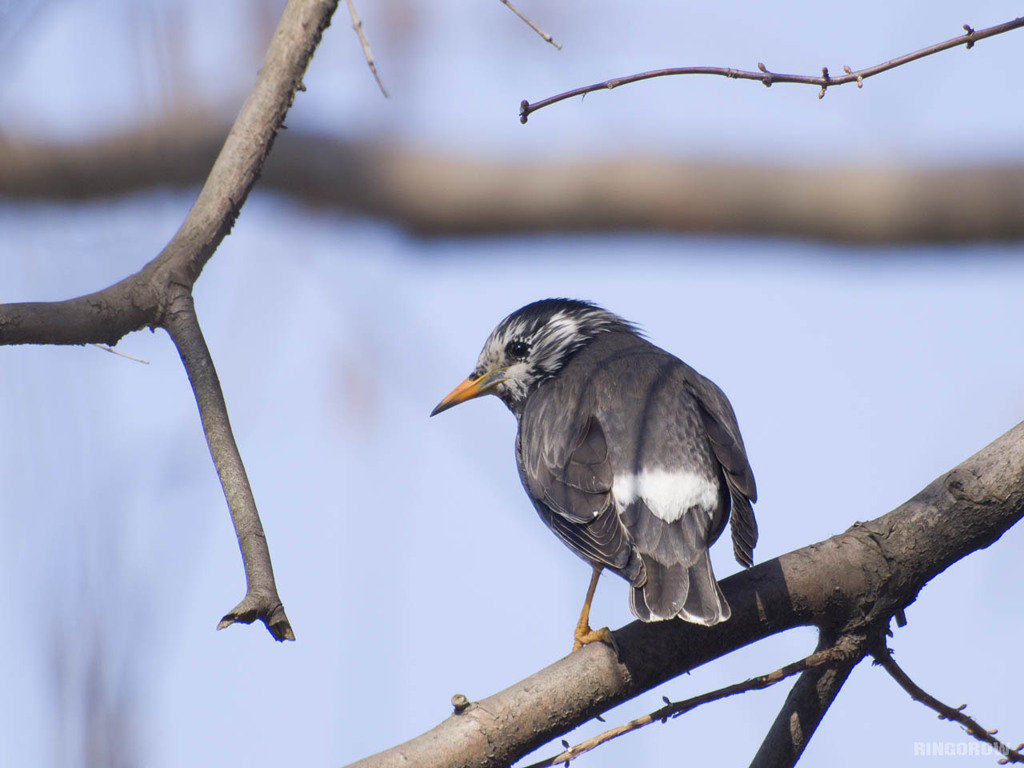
469 389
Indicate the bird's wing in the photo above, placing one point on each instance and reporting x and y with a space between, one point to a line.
724 433
566 469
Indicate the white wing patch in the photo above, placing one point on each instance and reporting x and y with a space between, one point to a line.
667 493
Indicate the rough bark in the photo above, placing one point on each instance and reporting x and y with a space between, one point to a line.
805 707
848 585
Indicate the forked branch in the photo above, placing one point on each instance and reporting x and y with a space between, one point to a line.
160 295
885 660
828 657
768 78
853 582
806 705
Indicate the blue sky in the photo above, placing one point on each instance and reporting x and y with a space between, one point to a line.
410 561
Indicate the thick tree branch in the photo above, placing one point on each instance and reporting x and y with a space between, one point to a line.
251 137
849 584
98 318
438 195
766 78
160 294
806 705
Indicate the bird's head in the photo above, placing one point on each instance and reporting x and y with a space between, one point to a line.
529 347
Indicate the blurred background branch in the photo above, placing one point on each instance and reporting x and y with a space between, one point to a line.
440 194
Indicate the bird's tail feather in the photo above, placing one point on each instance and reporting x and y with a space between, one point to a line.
690 593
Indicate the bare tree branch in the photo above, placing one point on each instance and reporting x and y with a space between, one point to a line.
806 705
851 584
828 657
883 658
119 353
767 78
261 599
531 25
357 25
438 195
160 294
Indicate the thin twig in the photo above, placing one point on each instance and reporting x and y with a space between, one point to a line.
885 660
357 25
532 26
824 658
768 78
111 350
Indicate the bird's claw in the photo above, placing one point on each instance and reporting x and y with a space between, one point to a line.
584 635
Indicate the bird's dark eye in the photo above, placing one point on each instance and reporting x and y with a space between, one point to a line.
517 350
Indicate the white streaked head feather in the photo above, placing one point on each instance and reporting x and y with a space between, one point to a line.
553 330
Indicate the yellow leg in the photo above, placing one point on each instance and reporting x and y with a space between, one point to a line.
584 634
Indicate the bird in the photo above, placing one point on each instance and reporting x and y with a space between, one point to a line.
630 456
